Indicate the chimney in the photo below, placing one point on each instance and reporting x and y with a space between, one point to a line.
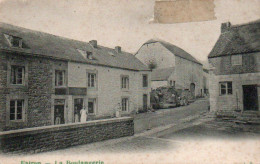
118 49
93 43
225 26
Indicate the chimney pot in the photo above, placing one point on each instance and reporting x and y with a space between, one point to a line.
225 26
118 49
93 43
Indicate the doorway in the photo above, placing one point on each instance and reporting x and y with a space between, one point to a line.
144 101
192 89
59 114
59 105
78 105
250 97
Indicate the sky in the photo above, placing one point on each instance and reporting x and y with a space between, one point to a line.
125 23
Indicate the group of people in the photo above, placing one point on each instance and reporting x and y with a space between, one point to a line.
83 115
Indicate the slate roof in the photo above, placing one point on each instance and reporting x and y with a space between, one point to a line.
238 39
174 50
162 74
57 47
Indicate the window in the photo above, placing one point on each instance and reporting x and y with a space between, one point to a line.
145 81
225 88
91 105
89 55
125 104
17 75
172 83
59 78
16 109
91 80
86 54
14 41
125 82
236 59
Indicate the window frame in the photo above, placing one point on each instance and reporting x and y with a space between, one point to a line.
236 60
145 85
124 82
90 83
11 38
15 110
226 88
94 101
89 55
125 105
14 76
63 78
172 83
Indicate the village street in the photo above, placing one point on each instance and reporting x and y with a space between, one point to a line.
147 125
169 132
147 121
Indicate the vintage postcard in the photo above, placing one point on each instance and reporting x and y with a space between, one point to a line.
120 81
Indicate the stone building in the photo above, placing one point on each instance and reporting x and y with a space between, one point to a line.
183 70
46 79
235 69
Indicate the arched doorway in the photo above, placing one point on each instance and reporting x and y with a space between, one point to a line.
192 89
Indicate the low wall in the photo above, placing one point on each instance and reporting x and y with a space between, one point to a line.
47 138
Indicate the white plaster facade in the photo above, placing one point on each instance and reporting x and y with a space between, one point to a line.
108 92
156 52
185 72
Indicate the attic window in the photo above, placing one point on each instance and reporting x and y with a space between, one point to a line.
89 55
86 54
14 41
111 53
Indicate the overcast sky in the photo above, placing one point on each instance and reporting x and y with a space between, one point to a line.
124 22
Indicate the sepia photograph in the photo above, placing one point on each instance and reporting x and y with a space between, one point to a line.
129 81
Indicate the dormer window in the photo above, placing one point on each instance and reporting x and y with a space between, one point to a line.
89 55
14 41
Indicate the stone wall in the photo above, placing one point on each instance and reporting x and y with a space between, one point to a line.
34 140
3 89
36 91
